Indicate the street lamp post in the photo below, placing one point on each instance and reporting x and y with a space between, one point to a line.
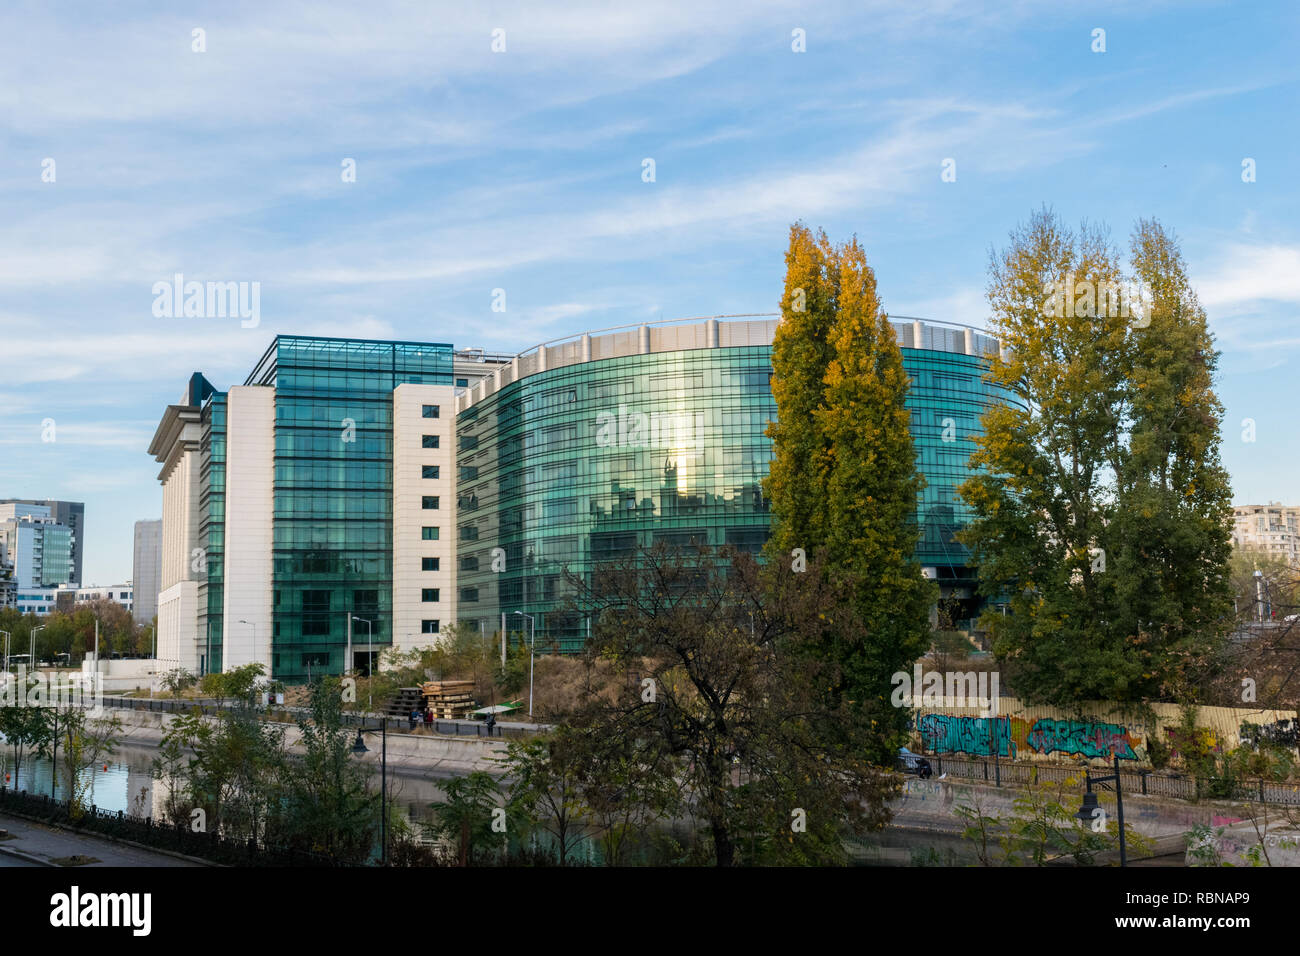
532 648
31 650
1088 812
7 638
370 649
359 748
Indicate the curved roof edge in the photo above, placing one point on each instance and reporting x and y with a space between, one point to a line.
701 332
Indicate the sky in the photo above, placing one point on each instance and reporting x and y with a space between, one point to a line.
129 155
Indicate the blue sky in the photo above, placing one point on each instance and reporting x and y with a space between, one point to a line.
521 170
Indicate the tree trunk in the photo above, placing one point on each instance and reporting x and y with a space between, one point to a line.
723 847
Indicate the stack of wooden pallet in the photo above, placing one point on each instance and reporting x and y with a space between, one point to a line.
407 700
449 699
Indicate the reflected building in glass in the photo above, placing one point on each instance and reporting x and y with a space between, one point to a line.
587 449
353 495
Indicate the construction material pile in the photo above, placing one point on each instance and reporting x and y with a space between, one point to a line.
449 699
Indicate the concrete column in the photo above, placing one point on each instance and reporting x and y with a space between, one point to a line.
711 333
645 340
586 347
541 358
918 335
970 341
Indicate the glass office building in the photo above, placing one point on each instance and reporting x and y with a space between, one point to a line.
212 517
354 492
587 450
333 490
279 504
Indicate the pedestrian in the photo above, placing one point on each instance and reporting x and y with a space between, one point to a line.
491 722
428 718
415 715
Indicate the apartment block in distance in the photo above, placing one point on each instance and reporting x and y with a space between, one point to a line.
146 571
70 514
39 546
1273 528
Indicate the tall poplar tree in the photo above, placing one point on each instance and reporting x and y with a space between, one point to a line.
843 482
870 487
801 352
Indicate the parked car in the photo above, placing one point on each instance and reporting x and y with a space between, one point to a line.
909 762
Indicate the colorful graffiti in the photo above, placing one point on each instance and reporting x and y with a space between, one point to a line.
1082 738
982 736
985 736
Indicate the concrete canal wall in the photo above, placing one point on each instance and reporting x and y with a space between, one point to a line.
407 753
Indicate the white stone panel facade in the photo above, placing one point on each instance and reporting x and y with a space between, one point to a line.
410 516
250 483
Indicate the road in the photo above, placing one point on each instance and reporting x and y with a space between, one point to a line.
33 844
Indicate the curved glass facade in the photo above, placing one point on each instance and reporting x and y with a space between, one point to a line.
587 462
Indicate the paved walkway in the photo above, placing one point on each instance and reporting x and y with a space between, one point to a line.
34 843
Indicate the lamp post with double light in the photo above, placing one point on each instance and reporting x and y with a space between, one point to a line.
31 656
370 650
359 748
1089 811
532 648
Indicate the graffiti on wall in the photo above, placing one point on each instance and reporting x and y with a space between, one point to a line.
986 736
982 736
1282 733
1082 738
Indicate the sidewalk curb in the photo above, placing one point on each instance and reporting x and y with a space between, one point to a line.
27 857
122 841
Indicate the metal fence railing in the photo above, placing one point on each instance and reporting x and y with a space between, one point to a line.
210 707
148 832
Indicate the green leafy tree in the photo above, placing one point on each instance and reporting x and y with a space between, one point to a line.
177 680
871 489
327 803
78 742
737 708
172 764
466 816
240 682
236 770
545 787
1099 502
1172 523
625 784
23 727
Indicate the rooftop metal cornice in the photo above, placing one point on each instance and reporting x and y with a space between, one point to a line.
669 335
